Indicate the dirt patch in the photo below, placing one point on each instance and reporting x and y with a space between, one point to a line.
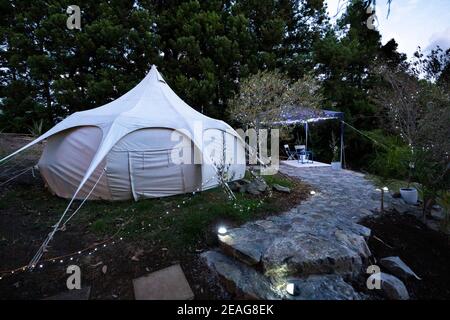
425 251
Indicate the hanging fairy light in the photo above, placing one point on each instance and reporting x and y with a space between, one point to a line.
222 230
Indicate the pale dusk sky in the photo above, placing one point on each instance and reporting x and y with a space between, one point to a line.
411 23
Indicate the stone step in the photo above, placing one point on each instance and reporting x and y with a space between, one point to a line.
245 282
166 284
296 244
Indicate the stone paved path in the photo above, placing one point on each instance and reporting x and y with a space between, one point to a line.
319 241
342 193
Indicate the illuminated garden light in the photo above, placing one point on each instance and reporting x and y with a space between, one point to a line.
222 231
312 192
292 288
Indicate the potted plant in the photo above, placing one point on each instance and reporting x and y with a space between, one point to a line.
335 163
409 194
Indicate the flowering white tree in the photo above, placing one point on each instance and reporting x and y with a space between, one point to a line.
419 111
265 96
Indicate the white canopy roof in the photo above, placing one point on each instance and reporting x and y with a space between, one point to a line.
151 103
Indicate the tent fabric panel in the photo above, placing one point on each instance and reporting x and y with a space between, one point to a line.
65 160
235 156
212 155
118 175
149 104
148 139
214 142
153 175
137 152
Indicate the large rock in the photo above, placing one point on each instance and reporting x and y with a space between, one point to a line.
256 186
300 245
245 282
252 189
397 267
280 188
246 244
392 287
400 206
305 254
234 186
239 279
323 287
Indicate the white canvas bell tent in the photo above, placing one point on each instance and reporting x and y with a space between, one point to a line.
125 148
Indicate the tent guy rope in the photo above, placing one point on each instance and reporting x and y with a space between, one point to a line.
17 175
44 245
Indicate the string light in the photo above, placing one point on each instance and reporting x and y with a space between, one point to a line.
91 249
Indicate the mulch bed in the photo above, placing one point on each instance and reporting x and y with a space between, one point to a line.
425 251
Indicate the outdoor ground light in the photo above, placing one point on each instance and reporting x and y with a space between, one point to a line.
292 288
312 192
222 231
382 190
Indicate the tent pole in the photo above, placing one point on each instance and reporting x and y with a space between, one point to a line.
342 141
306 132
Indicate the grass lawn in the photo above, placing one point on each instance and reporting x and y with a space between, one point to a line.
178 220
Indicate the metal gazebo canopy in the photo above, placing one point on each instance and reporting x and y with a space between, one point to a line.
304 115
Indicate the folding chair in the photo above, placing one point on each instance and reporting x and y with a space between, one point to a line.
290 154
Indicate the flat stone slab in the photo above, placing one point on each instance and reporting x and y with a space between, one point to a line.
165 284
300 244
245 282
238 278
75 294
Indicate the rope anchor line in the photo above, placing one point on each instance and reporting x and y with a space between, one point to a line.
18 175
43 248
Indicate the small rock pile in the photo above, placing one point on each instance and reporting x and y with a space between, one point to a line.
390 283
255 187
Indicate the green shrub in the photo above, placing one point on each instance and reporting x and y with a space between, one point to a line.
390 160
